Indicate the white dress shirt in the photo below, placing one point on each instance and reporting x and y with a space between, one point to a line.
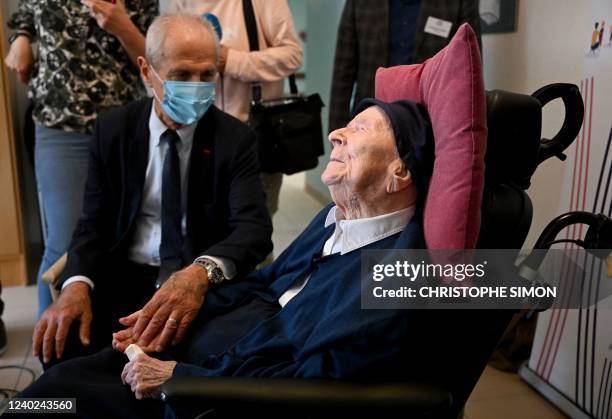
144 248
351 235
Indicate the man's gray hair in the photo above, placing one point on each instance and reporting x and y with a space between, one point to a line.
158 31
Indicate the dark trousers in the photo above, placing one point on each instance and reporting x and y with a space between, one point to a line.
123 292
95 380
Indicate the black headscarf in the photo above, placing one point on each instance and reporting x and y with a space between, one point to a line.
413 137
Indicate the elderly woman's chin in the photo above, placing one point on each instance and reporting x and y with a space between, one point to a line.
332 175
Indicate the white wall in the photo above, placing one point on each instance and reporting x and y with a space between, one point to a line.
544 50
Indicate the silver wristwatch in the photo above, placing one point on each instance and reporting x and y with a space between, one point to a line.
215 274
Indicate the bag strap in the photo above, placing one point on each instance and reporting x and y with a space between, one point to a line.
251 27
293 85
251 24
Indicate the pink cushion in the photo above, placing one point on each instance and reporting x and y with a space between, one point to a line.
451 87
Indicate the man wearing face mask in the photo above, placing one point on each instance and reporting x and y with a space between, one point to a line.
173 204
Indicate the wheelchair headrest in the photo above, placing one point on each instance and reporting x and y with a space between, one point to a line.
514 147
515 124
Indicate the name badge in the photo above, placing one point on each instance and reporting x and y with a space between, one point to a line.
438 27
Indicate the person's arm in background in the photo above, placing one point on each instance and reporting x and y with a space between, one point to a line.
115 19
469 14
345 69
20 58
281 59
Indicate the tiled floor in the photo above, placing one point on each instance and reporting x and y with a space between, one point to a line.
19 318
498 395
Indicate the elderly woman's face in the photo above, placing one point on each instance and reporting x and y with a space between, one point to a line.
361 153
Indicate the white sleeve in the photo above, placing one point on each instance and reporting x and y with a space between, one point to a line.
78 278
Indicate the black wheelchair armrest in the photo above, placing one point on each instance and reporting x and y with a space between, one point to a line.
309 396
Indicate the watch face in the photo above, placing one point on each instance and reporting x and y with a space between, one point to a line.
216 275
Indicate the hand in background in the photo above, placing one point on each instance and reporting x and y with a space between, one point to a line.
20 59
52 329
111 17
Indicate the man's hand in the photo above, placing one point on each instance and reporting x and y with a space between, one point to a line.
145 375
125 337
111 17
52 329
20 59
170 311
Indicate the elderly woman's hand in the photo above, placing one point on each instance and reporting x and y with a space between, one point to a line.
145 375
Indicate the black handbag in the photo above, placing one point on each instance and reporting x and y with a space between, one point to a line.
289 128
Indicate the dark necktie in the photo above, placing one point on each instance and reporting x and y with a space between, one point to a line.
171 213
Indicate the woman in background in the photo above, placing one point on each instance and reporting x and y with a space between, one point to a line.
85 64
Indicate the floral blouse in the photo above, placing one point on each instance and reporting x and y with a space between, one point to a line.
81 70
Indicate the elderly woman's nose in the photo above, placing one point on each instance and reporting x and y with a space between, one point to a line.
337 137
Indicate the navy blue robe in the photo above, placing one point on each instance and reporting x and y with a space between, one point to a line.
322 332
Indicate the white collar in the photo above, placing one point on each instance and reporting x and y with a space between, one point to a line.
360 232
157 128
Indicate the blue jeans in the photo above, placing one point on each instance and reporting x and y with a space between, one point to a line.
61 169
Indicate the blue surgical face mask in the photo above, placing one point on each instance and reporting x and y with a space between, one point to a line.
185 102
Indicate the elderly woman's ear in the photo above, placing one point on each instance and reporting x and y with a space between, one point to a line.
399 177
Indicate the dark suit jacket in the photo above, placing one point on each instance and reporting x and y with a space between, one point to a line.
226 213
363 46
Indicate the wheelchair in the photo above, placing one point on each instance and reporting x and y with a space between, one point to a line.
450 367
